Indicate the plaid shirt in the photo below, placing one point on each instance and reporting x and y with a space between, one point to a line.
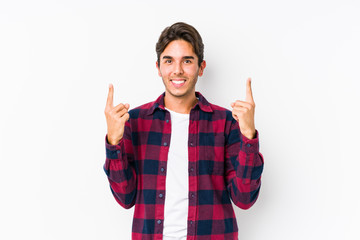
223 165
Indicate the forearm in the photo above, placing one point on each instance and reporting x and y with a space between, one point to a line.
121 173
245 166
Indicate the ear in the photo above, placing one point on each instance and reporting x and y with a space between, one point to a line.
158 68
202 67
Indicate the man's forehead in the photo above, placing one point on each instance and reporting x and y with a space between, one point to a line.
179 48
184 57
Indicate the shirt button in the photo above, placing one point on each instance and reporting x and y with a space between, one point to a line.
162 169
165 143
248 145
158 221
191 222
192 195
191 144
118 151
167 120
192 169
161 195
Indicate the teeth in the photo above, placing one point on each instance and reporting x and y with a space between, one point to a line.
178 81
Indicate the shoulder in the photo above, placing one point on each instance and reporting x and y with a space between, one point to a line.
213 111
141 111
221 112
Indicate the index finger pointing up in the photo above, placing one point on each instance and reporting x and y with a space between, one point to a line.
109 101
249 96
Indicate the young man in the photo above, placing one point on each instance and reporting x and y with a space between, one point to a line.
180 159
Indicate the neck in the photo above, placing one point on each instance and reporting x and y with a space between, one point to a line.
180 105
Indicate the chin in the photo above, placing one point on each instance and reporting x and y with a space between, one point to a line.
179 94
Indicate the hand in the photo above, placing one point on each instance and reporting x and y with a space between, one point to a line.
244 111
115 118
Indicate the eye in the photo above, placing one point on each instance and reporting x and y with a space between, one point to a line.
168 61
187 61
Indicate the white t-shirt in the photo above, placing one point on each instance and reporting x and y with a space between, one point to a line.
177 179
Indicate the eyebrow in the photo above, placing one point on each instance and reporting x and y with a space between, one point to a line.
186 57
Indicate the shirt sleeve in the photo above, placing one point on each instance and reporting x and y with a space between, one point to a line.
120 169
243 167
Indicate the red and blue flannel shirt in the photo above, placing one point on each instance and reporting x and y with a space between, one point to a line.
223 165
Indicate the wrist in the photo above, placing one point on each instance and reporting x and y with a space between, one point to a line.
113 141
250 134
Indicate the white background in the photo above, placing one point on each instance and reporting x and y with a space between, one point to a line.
58 57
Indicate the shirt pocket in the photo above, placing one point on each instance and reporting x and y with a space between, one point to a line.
215 147
214 153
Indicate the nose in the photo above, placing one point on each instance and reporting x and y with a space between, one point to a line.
178 70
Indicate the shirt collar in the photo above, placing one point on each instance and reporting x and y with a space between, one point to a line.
203 104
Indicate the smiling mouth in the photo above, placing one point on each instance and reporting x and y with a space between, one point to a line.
178 82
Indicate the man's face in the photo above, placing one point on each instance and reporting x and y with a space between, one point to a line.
179 69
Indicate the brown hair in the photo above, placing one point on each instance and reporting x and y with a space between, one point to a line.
181 31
